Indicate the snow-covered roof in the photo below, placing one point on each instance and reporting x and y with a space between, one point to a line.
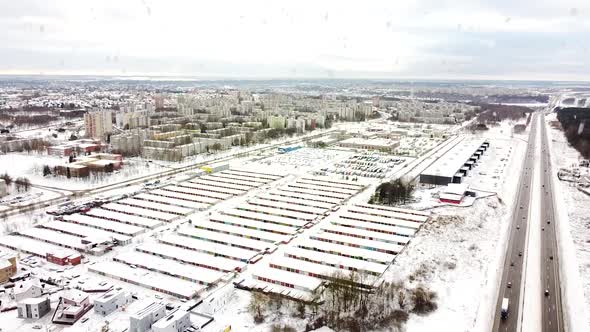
142 277
140 211
265 217
198 192
380 220
156 206
218 184
208 247
184 196
191 256
401 214
105 224
365 234
456 188
339 249
450 163
228 239
238 181
211 188
126 218
241 231
336 260
357 242
296 201
371 226
170 267
282 206
172 201
253 224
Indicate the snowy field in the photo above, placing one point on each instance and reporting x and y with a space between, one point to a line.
577 209
31 166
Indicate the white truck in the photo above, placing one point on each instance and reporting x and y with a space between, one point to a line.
505 303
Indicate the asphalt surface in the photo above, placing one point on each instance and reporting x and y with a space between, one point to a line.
513 285
552 319
513 272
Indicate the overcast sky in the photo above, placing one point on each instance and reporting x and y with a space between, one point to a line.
501 39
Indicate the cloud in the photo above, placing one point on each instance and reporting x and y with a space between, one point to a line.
433 38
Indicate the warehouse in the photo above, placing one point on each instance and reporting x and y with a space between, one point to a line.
254 225
364 234
209 247
192 257
356 242
154 281
341 262
375 227
196 192
212 188
315 270
32 247
160 207
296 201
243 232
87 234
378 209
251 174
189 197
399 214
247 182
346 251
286 279
449 168
220 184
103 224
263 201
169 267
332 183
278 212
226 239
172 201
390 221
125 218
140 212
266 218
60 239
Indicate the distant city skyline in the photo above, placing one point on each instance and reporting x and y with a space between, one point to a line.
462 39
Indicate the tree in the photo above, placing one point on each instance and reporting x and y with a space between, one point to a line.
46 170
258 303
22 184
7 179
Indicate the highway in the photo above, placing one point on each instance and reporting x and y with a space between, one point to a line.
513 285
552 318
513 268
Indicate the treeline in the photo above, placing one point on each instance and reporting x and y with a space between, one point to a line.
490 113
393 192
343 306
21 184
575 122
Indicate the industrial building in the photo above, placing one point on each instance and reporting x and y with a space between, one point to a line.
378 144
111 301
143 319
7 266
455 163
33 307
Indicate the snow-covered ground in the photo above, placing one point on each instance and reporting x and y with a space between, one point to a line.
574 228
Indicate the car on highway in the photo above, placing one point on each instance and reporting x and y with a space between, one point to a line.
546 292
509 285
520 253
